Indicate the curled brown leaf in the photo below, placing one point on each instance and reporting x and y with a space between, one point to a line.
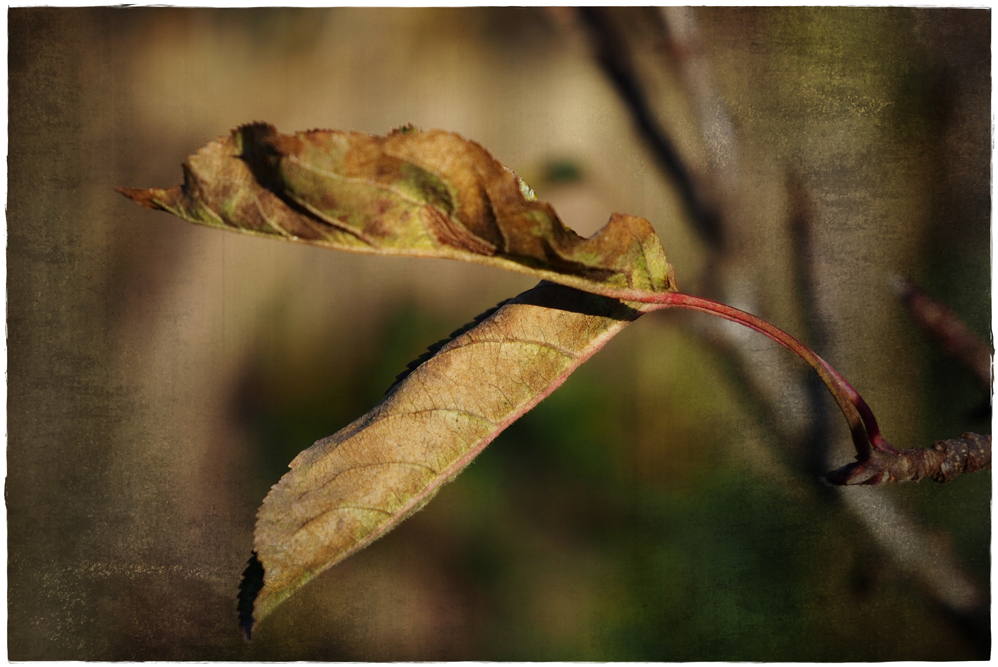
413 193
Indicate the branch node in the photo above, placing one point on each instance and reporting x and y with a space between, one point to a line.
943 462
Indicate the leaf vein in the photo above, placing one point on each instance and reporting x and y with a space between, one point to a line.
340 508
397 415
354 179
360 466
277 228
523 341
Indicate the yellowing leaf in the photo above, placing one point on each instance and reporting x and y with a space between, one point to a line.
349 489
422 194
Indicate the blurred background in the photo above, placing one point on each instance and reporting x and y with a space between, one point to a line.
664 504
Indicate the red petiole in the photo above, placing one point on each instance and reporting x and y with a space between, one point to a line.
862 424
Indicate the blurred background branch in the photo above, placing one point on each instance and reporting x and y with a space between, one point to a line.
946 329
806 450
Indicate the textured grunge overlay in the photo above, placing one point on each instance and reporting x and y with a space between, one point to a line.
161 375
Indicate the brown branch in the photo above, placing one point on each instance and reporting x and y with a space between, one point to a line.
610 52
802 226
941 324
685 45
942 462
905 542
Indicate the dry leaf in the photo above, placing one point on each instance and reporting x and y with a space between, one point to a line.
349 489
421 194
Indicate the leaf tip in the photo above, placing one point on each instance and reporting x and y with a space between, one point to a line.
150 198
249 588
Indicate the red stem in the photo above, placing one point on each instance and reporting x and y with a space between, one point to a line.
862 423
